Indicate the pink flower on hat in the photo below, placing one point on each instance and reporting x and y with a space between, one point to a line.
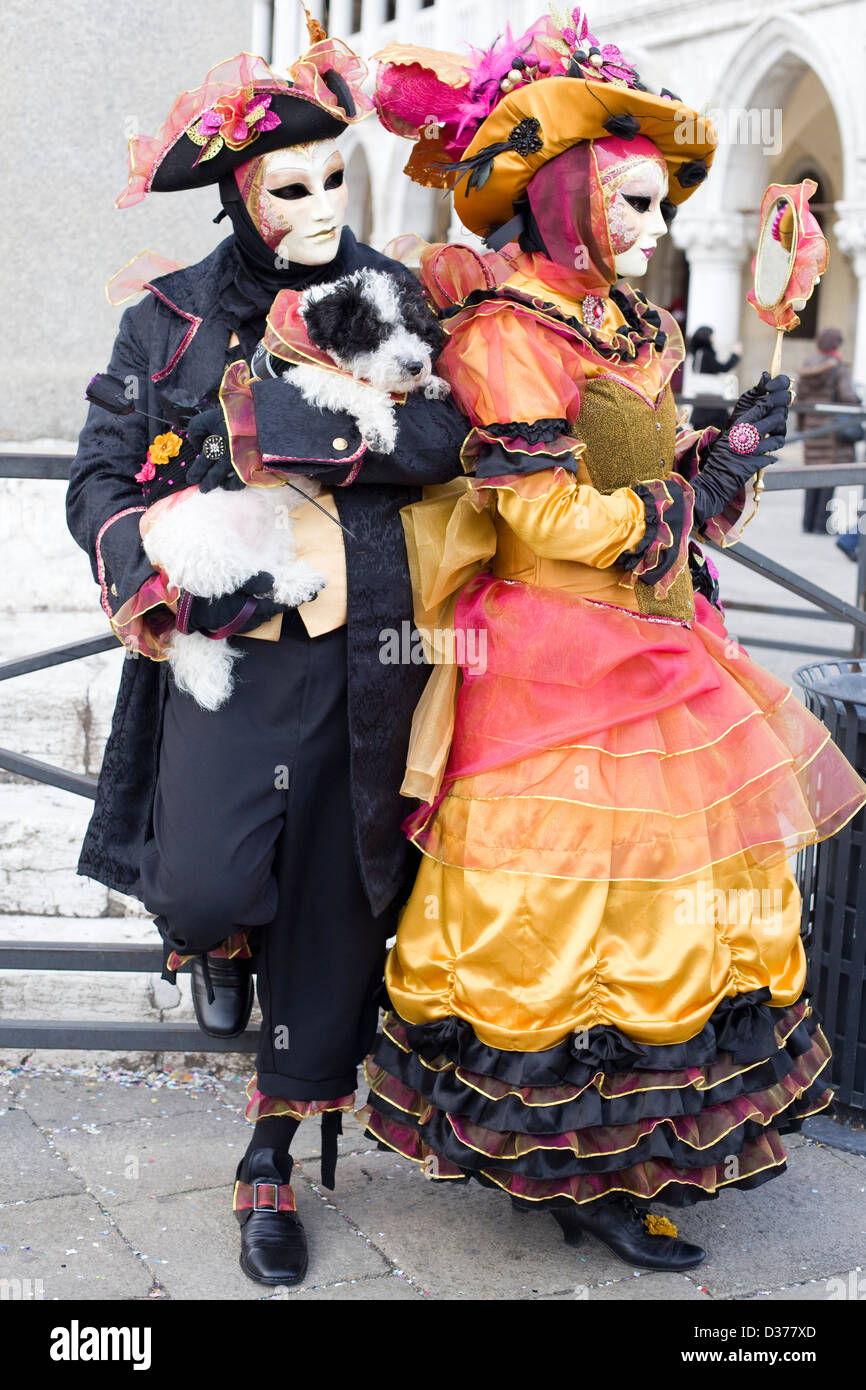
612 66
239 118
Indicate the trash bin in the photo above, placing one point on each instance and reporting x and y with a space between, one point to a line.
832 879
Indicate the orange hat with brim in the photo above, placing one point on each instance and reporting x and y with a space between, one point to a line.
491 133
568 110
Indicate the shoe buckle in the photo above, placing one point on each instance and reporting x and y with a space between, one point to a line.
262 1205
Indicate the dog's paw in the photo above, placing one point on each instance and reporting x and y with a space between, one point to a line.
298 584
437 389
381 441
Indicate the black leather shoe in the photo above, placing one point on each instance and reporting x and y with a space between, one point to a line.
227 1013
623 1227
273 1241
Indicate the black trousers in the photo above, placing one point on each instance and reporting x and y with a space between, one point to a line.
253 827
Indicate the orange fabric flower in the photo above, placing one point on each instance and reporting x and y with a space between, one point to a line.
164 447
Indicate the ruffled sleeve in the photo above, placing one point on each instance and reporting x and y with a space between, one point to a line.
518 378
663 553
146 620
141 617
561 519
519 383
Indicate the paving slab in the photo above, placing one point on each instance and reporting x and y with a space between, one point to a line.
845 1286
134 1159
191 1240
837 1135
68 1102
654 1288
388 1287
799 1226
31 1167
73 1248
172 1148
461 1241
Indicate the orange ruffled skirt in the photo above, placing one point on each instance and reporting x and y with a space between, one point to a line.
597 984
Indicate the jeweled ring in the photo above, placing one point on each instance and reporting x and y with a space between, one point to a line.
743 438
213 447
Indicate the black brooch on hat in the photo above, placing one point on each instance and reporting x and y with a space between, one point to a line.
525 138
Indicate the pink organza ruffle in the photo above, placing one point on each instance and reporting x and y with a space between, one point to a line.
600 745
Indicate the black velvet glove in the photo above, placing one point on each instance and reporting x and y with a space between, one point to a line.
777 388
209 472
211 614
724 471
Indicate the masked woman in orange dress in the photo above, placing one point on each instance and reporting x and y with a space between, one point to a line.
596 997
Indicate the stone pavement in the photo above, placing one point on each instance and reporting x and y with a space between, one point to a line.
117 1185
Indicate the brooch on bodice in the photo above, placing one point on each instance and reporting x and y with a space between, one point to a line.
592 310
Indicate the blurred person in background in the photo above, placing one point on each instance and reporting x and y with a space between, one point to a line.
825 378
702 350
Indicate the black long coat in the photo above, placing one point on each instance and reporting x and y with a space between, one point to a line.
175 342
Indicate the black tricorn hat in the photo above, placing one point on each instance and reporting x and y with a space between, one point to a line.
243 109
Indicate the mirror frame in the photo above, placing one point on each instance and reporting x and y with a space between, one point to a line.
766 231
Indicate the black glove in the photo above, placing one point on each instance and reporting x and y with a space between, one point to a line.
210 471
210 614
777 388
725 471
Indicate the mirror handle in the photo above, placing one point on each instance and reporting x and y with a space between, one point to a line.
775 364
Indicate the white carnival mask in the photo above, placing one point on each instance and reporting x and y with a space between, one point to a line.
633 205
297 199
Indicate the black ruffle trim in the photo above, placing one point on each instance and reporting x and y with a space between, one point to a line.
675 518
678 1196
494 461
630 559
638 333
447 1092
742 1025
674 1194
660 1145
538 432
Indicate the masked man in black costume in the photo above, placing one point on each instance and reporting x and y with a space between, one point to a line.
265 834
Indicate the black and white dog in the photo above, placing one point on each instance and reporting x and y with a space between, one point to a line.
381 333
379 329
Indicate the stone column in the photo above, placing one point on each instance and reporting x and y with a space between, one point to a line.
850 233
715 247
340 19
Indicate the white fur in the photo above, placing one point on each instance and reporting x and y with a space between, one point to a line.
371 409
383 369
210 543
203 668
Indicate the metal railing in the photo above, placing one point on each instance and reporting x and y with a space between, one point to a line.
833 609
187 1037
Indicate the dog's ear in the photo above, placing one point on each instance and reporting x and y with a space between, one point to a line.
418 317
344 321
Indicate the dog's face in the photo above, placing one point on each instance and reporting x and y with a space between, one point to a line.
375 326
